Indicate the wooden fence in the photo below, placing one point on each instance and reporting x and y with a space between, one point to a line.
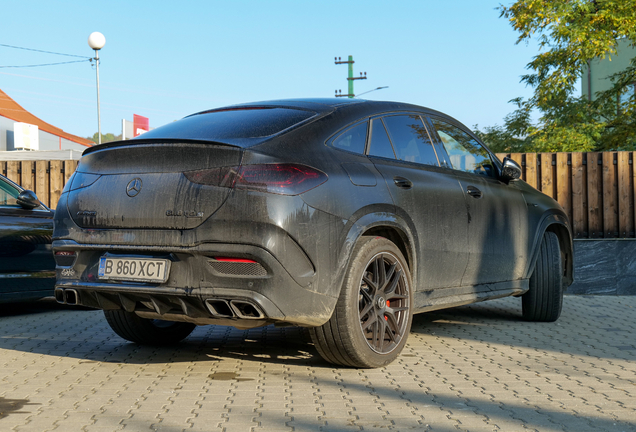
595 189
45 178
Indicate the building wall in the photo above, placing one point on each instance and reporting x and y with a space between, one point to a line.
602 69
47 140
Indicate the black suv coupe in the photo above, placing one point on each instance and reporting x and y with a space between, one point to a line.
344 216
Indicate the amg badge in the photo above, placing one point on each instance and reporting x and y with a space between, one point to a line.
186 213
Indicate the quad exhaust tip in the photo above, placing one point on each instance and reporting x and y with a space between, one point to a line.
242 309
66 296
246 310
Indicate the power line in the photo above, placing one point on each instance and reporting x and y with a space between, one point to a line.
47 64
46 52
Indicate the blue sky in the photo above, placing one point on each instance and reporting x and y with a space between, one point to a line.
165 60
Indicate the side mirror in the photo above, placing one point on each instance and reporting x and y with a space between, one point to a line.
511 170
28 200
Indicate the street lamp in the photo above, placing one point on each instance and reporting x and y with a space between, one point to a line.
97 41
379 88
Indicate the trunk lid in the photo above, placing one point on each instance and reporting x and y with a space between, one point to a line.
143 185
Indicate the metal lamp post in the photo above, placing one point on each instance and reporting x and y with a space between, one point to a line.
97 41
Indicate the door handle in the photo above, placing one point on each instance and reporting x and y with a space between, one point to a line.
474 192
402 182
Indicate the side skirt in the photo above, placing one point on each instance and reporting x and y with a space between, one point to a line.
442 298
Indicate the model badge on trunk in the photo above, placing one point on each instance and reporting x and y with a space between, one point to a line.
134 187
186 213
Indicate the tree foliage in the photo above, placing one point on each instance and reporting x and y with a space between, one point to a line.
570 33
105 137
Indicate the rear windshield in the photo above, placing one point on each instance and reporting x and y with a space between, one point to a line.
231 123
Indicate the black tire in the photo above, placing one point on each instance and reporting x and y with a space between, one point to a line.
544 299
373 316
146 331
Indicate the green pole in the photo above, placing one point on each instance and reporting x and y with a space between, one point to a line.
350 76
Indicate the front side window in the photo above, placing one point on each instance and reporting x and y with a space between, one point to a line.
410 139
353 139
465 153
8 195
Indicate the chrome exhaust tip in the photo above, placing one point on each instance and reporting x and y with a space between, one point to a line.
219 308
246 310
59 295
70 296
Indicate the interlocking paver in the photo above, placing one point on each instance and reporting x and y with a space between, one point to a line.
473 368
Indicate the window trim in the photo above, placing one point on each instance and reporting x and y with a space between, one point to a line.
404 113
493 158
337 135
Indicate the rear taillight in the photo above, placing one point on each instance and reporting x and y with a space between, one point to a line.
283 179
221 177
65 258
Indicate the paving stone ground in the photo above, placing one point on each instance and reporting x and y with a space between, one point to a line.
472 368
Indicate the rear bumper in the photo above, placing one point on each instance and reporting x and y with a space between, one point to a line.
196 291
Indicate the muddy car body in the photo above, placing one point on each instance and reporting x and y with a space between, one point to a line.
343 216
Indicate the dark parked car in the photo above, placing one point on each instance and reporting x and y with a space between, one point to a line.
27 268
342 216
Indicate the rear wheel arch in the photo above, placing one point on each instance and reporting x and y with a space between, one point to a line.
397 237
394 227
376 224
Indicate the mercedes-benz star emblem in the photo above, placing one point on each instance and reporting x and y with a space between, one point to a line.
134 187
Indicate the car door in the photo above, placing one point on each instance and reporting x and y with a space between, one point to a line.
27 267
425 194
497 212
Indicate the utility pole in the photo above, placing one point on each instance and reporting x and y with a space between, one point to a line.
350 78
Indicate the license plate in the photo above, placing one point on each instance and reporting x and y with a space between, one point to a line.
134 269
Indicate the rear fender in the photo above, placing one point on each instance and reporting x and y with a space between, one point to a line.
373 223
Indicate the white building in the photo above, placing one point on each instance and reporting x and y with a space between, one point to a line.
18 133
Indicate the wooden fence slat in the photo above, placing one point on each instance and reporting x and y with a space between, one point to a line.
13 168
69 168
27 178
563 186
57 182
594 196
610 196
501 156
579 197
547 179
625 198
42 181
531 169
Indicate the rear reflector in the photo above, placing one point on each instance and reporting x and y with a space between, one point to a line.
282 179
234 260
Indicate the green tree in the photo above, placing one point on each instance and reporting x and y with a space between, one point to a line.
570 34
105 137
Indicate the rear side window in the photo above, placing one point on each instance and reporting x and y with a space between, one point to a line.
465 153
410 139
353 139
231 123
380 145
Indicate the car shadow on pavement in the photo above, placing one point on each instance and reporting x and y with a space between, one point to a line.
47 304
496 322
